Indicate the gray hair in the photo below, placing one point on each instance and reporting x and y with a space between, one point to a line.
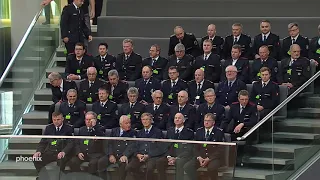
209 90
122 118
92 68
291 25
133 90
92 113
157 91
237 24
54 76
72 91
177 27
128 41
179 47
232 66
184 119
113 72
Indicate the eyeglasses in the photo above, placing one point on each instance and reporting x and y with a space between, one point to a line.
230 71
158 97
291 30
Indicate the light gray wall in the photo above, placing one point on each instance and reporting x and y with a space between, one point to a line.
22 13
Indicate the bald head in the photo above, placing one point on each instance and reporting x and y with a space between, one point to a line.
198 75
92 73
211 31
179 120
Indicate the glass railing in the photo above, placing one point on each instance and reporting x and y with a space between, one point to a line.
27 66
100 157
278 146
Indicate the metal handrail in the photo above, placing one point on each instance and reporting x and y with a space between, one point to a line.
281 105
22 42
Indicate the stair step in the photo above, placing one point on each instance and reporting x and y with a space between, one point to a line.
265 160
288 135
19 152
18 177
24 140
308 123
248 173
55 69
22 69
18 80
35 115
60 59
32 126
285 148
41 103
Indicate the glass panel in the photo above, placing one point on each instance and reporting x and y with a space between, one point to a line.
93 157
28 67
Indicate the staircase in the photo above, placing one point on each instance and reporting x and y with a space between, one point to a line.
148 22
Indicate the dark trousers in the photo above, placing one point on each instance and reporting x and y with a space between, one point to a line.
75 163
70 46
191 169
47 158
98 9
103 164
162 165
47 13
51 110
134 168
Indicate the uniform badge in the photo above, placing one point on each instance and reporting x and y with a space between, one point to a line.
195 42
276 69
308 68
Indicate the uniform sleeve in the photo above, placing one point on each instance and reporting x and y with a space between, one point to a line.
64 22
171 47
253 118
68 66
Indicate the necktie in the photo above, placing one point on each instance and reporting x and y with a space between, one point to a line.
153 61
103 59
61 89
205 57
121 133
178 60
199 87
147 131
131 105
102 104
180 108
58 129
241 109
209 108
156 107
263 84
235 40
291 62
176 135
207 134
126 57
91 84
112 89
293 41
78 9
264 38
70 105
173 84
230 84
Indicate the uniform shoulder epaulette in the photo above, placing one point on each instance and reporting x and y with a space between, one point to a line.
88 54
173 35
229 36
199 128
136 53
305 37
209 81
72 53
287 37
123 81
235 103
68 80
274 82
251 103
190 34
112 102
81 101
189 129
183 80
219 129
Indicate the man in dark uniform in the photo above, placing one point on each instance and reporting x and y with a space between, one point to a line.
217 41
268 39
227 91
59 88
314 55
88 91
118 151
182 61
210 106
88 150
155 61
107 110
133 109
187 110
206 155
98 9
241 64
116 87
241 117
173 86
73 109
209 63
264 60
187 39
72 25
197 86
265 93
104 62
237 38
51 150
146 85
295 70
294 38
128 63
147 152
78 63
159 110
177 153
